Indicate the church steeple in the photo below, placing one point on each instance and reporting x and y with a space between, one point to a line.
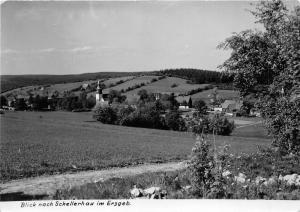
99 93
99 89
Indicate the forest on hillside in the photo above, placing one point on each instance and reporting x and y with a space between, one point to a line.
9 82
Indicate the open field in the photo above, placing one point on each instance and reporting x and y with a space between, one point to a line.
114 80
133 82
9 82
61 87
224 94
164 86
36 143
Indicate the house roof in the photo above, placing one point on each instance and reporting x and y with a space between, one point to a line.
227 103
232 104
181 99
22 96
85 85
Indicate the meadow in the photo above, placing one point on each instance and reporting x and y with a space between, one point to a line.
37 143
60 87
165 86
223 94
134 81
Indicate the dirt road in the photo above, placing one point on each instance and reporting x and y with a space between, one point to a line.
48 185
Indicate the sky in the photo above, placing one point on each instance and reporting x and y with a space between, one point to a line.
71 37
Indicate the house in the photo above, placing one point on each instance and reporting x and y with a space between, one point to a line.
10 101
85 86
231 105
184 102
217 109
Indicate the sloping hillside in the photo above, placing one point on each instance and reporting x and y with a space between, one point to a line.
169 85
9 82
223 94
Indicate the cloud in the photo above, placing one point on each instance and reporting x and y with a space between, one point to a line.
78 49
46 50
9 51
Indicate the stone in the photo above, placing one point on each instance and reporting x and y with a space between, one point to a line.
186 188
292 179
152 190
226 174
136 192
270 181
259 180
241 178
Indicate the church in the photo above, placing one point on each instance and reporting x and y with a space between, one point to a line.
101 97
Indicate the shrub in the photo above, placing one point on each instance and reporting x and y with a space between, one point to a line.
201 168
201 107
106 115
147 117
220 125
174 85
175 122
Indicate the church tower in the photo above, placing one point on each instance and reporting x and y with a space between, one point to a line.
99 93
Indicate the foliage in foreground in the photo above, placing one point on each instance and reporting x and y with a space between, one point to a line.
266 63
204 178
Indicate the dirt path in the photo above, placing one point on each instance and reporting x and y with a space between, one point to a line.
48 185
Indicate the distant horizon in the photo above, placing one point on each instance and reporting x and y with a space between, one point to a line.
76 37
110 72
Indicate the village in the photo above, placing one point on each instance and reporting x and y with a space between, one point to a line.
96 95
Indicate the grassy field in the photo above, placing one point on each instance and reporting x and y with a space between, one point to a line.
133 82
35 143
114 80
47 89
165 86
224 94
60 87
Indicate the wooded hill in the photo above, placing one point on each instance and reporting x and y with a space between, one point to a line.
9 82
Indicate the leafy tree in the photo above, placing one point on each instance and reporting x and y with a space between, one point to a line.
83 99
20 104
220 125
3 101
91 102
123 113
214 96
174 121
143 94
201 107
106 115
190 103
271 58
116 96
201 167
173 102
246 108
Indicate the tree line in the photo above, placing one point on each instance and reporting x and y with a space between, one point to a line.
162 113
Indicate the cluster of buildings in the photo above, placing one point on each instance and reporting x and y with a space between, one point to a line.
229 107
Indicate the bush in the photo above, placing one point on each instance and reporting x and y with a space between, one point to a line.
174 85
220 125
201 107
175 122
106 115
200 167
147 117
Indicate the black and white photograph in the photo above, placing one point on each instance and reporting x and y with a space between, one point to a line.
150 101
